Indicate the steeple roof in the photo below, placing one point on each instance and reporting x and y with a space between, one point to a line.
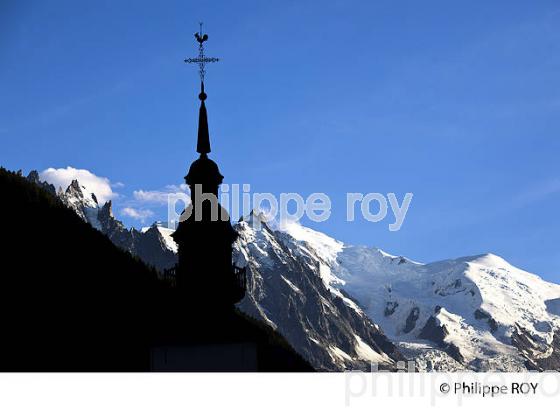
203 171
203 142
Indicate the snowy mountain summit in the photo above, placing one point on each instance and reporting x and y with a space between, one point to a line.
82 201
478 313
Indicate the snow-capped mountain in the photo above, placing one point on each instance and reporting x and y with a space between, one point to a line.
286 290
343 306
477 313
153 244
78 198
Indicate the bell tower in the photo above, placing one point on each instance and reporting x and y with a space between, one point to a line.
205 273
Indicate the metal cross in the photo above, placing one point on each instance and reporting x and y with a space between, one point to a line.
201 60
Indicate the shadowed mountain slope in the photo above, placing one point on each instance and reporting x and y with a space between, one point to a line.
73 301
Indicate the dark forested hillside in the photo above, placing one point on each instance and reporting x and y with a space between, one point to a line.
71 300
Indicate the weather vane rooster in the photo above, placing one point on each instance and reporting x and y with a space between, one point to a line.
201 60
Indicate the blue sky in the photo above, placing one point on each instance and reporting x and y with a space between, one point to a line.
456 102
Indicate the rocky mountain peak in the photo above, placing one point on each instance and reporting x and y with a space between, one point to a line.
74 189
106 211
78 195
35 178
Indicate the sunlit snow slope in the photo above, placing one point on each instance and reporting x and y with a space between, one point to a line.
475 312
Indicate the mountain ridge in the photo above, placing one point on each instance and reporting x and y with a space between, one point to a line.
467 313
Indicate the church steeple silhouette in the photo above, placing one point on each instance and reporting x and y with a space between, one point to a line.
203 142
205 235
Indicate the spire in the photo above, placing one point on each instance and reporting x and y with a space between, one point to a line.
203 142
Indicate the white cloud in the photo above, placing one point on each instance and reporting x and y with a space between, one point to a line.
158 197
167 199
177 188
161 197
139 214
62 177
